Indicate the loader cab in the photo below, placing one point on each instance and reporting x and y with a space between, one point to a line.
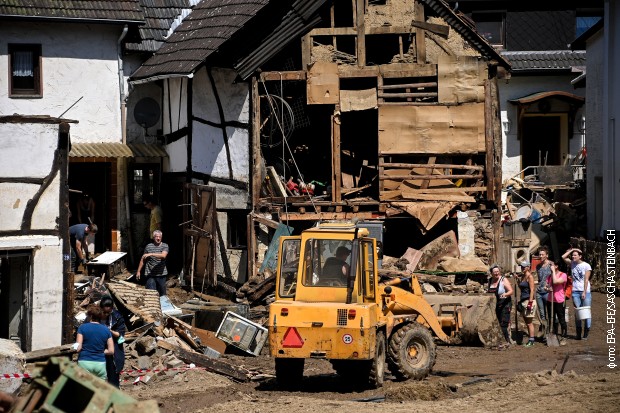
320 265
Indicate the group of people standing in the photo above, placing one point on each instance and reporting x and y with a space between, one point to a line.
548 296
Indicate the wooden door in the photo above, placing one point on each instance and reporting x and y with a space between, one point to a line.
200 233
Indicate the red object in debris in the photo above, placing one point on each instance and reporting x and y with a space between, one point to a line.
292 186
292 338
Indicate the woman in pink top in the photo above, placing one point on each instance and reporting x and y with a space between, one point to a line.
556 284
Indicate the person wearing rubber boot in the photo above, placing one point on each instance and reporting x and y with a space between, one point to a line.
580 271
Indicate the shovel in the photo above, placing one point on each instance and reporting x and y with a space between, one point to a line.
552 339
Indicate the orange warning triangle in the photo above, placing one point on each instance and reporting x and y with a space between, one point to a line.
292 339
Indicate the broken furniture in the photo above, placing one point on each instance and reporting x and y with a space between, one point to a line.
111 263
62 386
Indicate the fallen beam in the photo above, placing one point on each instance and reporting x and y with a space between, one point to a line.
44 354
208 363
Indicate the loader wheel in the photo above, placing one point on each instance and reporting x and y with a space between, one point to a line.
411 352
289 372
377 364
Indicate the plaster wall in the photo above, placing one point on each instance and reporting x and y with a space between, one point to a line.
27 149
519 86
594 132
611 118
46 291
73 73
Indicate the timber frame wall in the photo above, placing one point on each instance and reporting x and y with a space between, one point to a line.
459 161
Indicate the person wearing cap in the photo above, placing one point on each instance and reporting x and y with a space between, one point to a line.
114 321
527 306
337 267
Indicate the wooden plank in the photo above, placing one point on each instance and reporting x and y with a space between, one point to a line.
323 84
345 71
412 177
432 129
265 221
200 360
437 197
435 165
488 136
439 29
283 76
211 298
408 95
361 33
406 70
380 170
208 338
306 51
420 38
408 85
256 152
336 162
261 289
311 216
44 354
440 190
431 160
496 145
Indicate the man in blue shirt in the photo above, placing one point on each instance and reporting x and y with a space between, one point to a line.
79 248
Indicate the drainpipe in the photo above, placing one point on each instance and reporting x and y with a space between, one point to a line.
121 89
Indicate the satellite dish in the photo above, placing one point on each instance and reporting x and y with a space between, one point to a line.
146 112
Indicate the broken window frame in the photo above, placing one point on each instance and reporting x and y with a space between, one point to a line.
148 187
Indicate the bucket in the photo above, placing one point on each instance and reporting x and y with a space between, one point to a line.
583 313
527 213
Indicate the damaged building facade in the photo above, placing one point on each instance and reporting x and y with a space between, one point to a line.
391 116
325 111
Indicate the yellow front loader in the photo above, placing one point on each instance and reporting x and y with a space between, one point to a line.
330 304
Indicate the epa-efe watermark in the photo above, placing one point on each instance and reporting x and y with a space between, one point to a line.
610 283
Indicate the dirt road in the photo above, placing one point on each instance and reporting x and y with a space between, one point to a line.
467 379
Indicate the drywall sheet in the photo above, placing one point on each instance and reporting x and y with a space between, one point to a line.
352 100
431 129
323 84
461 79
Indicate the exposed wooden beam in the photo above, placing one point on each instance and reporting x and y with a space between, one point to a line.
408 95
265 221
434 165
289 75
360 25
409 85
336 167
312 216
418 177
441 30
441 190
420 38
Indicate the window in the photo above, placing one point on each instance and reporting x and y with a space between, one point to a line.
289 260
144 183
237 228
368 260
490 26
25 70
327 262
583 23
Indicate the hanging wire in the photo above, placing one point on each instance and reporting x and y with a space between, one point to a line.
285 141
273 101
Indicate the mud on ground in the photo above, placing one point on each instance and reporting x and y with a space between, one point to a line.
467 379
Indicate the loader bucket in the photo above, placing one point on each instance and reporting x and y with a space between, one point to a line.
480 324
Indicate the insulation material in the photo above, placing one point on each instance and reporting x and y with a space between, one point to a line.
352 100
461 79
432 129
323 85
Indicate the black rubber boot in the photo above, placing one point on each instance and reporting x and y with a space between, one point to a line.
578 334
555 328
564 332
585 333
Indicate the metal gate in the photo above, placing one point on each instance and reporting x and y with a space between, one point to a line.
199 230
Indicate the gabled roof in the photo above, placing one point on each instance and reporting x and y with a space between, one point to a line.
162 17
207 28
545 61
101 11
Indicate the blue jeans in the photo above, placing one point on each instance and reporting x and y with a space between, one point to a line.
157 283
541 303
578 302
